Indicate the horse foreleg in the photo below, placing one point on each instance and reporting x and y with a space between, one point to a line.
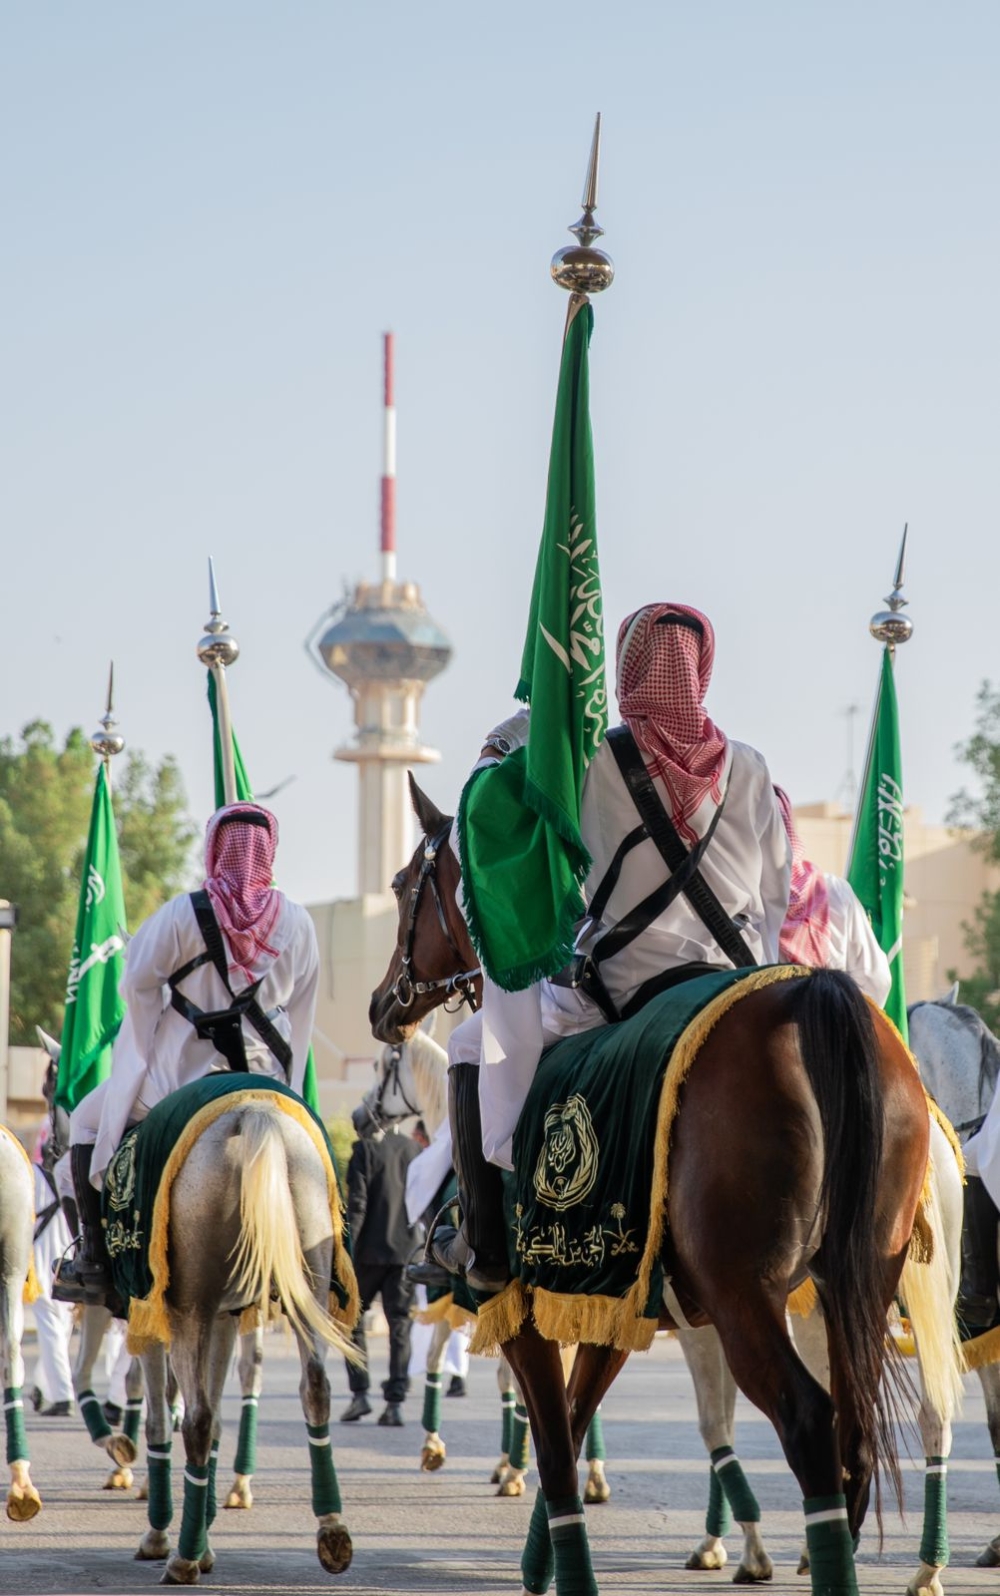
121 1477
155 1544
433 1451
201 1352
508 1397
590 1375
333 1540
558 1513
989 1379
23 1501
251 1379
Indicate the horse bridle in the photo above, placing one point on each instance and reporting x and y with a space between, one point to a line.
405 988
390 1074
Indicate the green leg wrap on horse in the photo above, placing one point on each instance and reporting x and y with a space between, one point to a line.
595 1452
432 1403
731 1477
537 1560
325 1490
831 1549
194 1534
519 1451
934 1548
718 1519
212 1504
246 1446
570 1547
507 1401
17 1435
133 1419
93 1416
161 1502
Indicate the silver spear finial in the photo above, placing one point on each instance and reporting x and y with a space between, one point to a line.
106 742
890 626
218 646
579 267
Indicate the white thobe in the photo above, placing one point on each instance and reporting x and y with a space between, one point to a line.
748 866
53 1320
426 1173
157 1049
853 946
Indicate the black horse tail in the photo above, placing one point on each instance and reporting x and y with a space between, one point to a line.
840 1053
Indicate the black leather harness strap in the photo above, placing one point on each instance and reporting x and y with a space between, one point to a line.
664 834
44 1219
224 1027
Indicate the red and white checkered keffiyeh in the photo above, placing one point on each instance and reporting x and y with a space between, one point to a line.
663 676
805 935
239 868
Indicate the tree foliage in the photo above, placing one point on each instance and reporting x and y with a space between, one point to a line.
45 799
981 810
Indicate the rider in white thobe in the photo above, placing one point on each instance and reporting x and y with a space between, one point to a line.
665 656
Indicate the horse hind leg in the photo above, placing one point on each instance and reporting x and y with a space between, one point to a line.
433 1452
201 1352
729 1489
989 1379
251 1379
23 1500
333 1540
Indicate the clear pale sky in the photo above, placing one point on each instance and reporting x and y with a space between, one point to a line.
212 211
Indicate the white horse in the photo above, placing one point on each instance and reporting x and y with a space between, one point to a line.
960 1064
413 1079
249 1220
17 1217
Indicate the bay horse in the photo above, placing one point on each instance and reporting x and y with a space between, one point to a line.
799 1152
17 1221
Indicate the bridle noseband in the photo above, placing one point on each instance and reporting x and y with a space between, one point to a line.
405 988
390 1075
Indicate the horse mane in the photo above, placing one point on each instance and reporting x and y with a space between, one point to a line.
989 1045
429 1063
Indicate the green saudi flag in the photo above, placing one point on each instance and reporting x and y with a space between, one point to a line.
94 1008
876 867
523 859
244 795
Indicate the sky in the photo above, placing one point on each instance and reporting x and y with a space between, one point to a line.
213 211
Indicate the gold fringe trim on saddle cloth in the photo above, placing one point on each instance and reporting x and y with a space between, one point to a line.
444 1308
32 1290
148 1320
620 1321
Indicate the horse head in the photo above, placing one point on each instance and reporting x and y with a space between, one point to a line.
433 960
58 1117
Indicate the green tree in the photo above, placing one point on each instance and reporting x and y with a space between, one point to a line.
45 798
980 811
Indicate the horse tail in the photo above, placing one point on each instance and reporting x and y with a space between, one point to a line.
840 1053
929 1283
269 1256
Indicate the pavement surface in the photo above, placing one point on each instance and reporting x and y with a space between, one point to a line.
447 1532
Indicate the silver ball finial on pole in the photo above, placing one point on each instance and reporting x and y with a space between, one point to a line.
579 267
217 649
106 741
889 626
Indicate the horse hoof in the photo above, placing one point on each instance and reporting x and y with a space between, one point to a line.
23 1502
179 1571
142 1490
119 1480
432 1456
119 1449
597 1491
206 1561
803 1567
990 1558
241 1495
710 1554
153 1547
500 1471
753 1576
513 1485
334 1548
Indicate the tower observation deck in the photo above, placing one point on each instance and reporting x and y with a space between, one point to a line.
384 646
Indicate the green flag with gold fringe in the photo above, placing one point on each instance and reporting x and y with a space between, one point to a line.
875 870
244 794
523 858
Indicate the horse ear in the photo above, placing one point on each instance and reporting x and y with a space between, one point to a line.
51 1046
951 996
431 819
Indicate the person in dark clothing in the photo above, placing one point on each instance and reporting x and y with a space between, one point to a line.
383 1240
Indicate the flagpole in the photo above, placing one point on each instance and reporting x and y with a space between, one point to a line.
890 628
107 742
579 268
217 649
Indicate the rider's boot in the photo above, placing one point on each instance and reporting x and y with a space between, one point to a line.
86 1277
978 1306
478 1249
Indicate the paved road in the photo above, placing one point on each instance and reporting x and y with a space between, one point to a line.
447 1532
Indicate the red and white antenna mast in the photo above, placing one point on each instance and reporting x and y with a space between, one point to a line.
388 515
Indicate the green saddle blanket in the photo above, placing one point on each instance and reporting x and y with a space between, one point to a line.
579 1202
136 1171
